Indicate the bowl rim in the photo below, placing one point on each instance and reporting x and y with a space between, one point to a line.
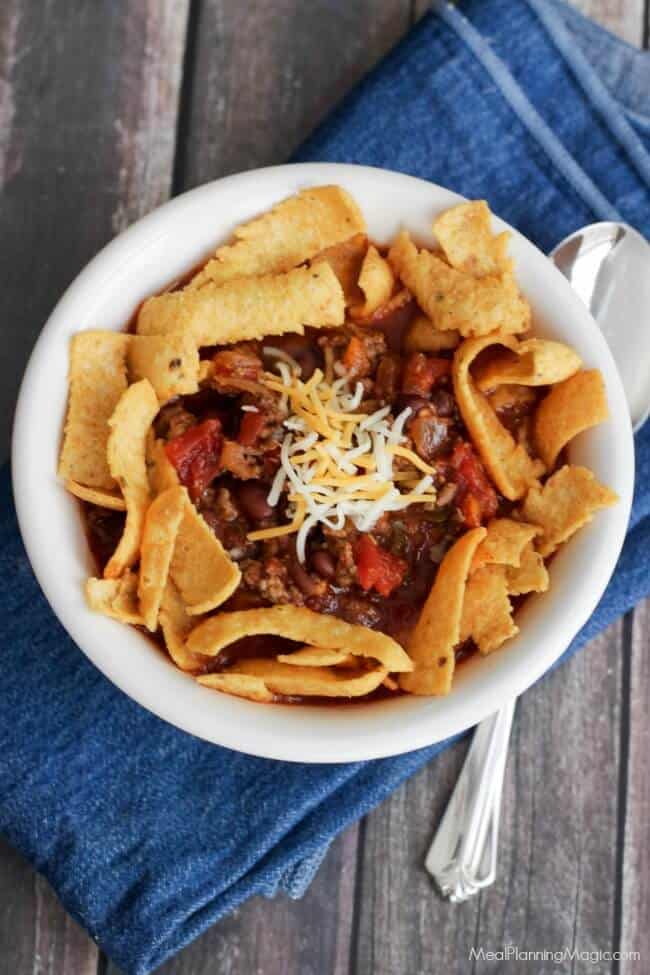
229 725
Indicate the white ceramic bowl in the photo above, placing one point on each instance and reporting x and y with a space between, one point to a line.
142 261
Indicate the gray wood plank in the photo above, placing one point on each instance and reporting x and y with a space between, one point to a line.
17 909
635 866
87 125
557 860
88 97
267 71
61 946
561 807
36 934
402 927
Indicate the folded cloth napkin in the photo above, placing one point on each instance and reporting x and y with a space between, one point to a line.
147 834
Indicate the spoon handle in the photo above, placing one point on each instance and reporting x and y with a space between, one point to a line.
463 855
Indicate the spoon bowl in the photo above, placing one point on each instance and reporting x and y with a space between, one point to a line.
608 266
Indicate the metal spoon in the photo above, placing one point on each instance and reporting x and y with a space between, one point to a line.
608 265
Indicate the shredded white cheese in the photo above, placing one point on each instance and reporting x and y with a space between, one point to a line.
271 351
337 463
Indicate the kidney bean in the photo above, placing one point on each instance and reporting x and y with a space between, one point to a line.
323 563
302 578
354 609
300 348
415 404
430 435
442 402
213 521
252 500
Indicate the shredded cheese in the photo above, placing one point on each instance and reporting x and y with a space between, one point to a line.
337 463
413 458
275 353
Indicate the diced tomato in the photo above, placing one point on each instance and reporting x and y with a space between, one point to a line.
421 372
250 428
239 363
355 359
196 456
476 497
377 568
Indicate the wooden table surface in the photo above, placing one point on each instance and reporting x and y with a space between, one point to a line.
107 108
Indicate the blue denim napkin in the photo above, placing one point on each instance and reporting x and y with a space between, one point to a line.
147 834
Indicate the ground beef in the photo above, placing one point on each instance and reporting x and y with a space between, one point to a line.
277 546
231 534
336 339
173 420
273 411
220 510
340 545
374 345
220 500
370 345
382 526
240 362
356 609
274 408
271 579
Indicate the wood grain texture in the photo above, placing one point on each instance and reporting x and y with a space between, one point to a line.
265 73
561 806
60 945
635 825
557 854
36 934
402 925
87 131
